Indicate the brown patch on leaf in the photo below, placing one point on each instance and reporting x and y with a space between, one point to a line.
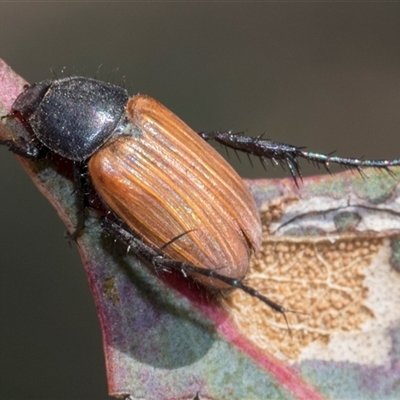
274 211
319 278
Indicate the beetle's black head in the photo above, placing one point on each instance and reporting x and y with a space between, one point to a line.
74 116
29 100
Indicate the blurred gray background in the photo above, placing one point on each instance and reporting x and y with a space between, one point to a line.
321 75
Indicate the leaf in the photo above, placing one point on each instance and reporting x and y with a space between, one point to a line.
330 253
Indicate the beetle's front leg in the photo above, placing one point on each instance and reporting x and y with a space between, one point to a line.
24 148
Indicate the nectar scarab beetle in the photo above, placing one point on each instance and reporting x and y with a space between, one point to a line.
172 198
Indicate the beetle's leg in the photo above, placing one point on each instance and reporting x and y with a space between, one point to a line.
285 154
160 261
30 150
34 151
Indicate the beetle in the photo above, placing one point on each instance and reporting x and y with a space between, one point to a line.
173 200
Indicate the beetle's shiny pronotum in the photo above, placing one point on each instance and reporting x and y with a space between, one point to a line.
173 199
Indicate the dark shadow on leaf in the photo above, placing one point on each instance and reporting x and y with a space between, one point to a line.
154 329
